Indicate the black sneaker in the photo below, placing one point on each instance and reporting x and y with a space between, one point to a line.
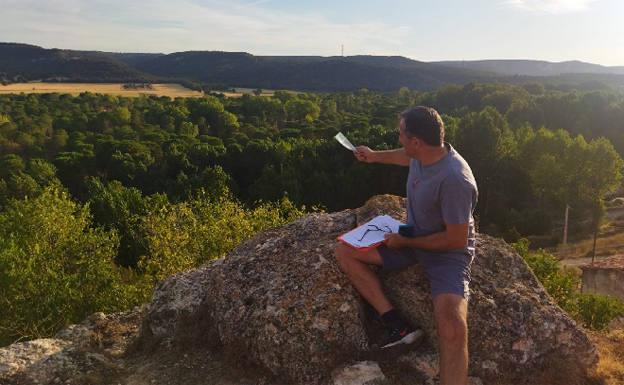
405 335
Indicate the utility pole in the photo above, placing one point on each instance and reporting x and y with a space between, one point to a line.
594 247
597 218
565 225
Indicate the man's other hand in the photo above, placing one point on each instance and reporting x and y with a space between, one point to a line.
395 241
364 154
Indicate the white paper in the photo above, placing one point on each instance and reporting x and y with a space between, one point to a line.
344 141
359 237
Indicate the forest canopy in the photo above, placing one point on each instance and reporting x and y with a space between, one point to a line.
127 190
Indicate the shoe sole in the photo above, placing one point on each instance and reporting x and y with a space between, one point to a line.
408 339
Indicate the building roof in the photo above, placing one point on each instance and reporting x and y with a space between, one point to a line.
615 262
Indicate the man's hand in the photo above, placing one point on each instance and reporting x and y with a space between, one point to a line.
395 241
364 154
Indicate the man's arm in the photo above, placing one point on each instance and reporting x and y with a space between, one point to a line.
396 156
455 237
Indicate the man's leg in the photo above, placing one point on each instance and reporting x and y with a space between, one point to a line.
451 312
356 265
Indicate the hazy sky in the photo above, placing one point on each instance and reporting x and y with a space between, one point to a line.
553 30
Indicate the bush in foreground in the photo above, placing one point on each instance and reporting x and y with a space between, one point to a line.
54 268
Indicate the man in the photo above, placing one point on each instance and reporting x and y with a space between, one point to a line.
441 196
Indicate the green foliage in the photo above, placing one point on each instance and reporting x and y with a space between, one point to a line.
594 311
302 110
11 164
26 181
532 150
560 283
56 269
119 208
185 235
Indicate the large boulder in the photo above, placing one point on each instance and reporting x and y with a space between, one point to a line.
280 302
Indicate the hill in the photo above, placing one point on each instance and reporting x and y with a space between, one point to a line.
29 62
533 67
314 73
22 62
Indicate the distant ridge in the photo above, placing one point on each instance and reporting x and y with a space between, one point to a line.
534 67
335 73
215 69
30 62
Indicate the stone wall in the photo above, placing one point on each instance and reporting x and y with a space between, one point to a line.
608 281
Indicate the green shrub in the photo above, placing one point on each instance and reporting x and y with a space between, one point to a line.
54 268
594 311
185 235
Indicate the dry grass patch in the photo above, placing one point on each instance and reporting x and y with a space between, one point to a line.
610 345
606 246
171 90
245 91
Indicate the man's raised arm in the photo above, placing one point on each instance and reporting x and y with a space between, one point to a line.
396 156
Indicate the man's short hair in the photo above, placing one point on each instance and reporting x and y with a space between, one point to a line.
424 123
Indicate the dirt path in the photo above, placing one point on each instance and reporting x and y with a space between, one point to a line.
578 262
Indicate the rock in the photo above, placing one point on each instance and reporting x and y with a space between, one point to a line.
78 352
616 324
279 301
22 355
360 373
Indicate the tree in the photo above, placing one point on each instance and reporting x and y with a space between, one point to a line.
302 110
119 208
56 268
485 140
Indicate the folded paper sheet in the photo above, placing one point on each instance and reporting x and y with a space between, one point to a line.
344 141
371 233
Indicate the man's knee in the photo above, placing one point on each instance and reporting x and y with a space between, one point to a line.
452 330
450 315
343 256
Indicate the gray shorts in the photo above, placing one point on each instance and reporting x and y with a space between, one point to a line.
447 273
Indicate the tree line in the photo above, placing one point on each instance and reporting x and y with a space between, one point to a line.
533 151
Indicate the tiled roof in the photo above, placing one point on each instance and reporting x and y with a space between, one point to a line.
615 262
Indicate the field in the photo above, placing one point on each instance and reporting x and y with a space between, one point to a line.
610 241
238 92
171 90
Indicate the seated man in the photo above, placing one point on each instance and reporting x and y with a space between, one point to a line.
441 196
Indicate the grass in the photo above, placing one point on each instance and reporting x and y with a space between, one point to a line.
610 368
171 90
606 246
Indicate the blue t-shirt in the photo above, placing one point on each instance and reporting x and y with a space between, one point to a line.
441 193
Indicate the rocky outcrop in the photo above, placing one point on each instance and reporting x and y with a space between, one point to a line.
88 353
278 303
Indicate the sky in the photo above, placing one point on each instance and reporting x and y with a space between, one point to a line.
426 30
